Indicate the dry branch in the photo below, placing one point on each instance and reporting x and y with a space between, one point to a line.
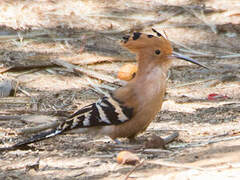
15 100
171 137
230 56
29 35
204 143
9 117
29 111
135 167
201 16
37 129
170 164
211 81
86 71
97 88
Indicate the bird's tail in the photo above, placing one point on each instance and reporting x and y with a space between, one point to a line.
71 123
74 121
35 138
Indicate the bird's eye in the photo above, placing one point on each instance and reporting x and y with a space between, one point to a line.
157 52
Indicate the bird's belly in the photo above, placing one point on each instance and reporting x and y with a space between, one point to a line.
130 128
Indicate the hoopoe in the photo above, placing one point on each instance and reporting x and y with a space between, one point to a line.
128 110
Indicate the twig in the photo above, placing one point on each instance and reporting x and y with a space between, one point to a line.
171 137
229 56
135 167
36 129
23 36
7 117
193 83
225 78
202 56
121 17
204 143
36 67
195 53
97 89
156 151
118 147
202 17
104 86
24 92
15 100
164 163
181 166
192 51
86 71
94 61
26 111
231 131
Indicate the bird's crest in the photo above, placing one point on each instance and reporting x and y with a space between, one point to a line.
147 43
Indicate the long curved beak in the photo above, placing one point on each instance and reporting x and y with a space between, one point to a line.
179 56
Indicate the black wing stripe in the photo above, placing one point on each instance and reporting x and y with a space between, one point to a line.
106 111
82 110
110 111
126 110
95 119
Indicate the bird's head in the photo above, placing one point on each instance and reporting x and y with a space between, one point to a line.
152 48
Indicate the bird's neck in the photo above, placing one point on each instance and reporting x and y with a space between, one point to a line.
147 88
148 66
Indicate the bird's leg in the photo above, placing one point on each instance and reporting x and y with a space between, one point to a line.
117 141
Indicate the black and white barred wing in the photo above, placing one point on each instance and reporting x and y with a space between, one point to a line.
106 111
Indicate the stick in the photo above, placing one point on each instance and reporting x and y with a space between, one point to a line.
37 129
171 137
163 163
24 111
9 117
96 88
229 56
135 167
15 100
204 143
23 36
86 71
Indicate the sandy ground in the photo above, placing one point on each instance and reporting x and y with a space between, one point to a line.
86 34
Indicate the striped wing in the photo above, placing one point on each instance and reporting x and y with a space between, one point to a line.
106 111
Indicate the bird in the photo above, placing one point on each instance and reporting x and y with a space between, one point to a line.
128 110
